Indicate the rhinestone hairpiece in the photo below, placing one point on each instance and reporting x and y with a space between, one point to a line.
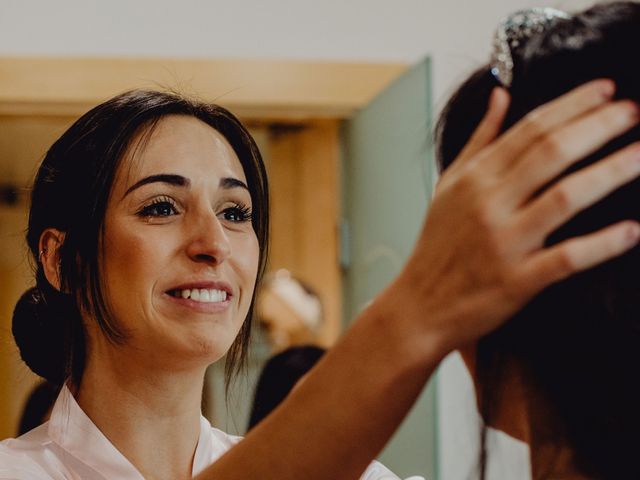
512 31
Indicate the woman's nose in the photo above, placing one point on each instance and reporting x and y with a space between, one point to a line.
208 241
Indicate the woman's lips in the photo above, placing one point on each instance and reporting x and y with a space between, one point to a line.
207 297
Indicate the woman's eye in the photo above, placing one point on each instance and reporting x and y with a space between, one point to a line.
237 214
161 208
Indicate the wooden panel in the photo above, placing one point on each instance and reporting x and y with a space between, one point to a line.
319 219
251 88
24 141
303 170
15 379
282 169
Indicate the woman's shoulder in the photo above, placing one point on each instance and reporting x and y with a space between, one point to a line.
377 471
23 457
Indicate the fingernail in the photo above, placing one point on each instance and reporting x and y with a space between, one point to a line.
492 96
635 152
633 109
633 234
607 88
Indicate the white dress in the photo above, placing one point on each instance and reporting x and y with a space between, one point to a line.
70 447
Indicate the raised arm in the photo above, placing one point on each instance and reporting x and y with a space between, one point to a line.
479 258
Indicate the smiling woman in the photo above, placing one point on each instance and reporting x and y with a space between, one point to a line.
102 212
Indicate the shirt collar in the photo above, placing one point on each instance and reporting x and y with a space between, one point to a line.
74 432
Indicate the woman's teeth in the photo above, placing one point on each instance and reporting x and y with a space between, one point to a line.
202 295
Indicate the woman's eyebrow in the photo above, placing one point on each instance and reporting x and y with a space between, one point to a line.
230 182
180 181
171 179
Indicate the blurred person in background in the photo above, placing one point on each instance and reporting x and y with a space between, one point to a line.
278 377
289 311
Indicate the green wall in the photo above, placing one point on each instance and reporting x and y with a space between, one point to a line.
387 183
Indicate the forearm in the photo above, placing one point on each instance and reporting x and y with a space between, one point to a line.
337 420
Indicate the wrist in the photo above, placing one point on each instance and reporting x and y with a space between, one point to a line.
412 325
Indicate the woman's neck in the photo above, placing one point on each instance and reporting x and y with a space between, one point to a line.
523 414
151 417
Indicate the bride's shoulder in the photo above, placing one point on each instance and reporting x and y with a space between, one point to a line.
225 439
378 471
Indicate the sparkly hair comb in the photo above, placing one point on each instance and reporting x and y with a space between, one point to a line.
512 31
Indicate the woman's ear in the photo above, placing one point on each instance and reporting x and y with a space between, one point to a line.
49 255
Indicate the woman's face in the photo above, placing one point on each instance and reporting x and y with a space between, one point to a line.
180 254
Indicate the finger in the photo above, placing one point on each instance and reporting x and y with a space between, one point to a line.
577 254
547 118
556 152
579 190
489 127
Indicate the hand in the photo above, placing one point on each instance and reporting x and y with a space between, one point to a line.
480 256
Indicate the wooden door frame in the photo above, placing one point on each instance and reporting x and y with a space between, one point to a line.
267 90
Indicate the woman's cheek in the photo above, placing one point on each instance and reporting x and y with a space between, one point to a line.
133 261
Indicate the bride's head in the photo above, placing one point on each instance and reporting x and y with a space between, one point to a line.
575 349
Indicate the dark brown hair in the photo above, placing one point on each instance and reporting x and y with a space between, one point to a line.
70 193
578 342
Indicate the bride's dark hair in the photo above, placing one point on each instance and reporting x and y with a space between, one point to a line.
578 342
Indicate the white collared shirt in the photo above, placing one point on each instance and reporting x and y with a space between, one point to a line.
70 447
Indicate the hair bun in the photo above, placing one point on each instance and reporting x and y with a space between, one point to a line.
39 334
